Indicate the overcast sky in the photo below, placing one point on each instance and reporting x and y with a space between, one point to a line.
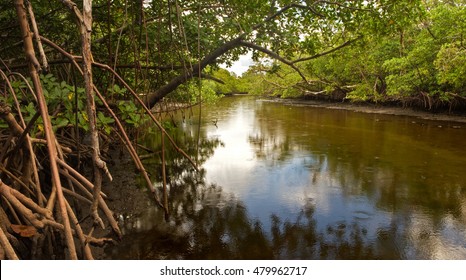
240 66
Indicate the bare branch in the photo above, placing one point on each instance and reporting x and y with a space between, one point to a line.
347 43
209 77
344 6
273 55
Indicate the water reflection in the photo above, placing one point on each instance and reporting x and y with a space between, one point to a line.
290 182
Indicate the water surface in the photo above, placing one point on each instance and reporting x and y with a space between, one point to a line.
281 181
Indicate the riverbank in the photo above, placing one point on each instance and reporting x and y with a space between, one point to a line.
127 198
375 109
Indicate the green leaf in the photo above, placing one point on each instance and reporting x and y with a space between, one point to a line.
61 122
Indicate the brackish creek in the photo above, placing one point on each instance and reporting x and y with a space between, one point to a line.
282 181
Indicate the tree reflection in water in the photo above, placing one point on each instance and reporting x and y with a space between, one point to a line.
384 203
207 223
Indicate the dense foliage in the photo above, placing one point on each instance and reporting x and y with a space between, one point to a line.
156 46
419 61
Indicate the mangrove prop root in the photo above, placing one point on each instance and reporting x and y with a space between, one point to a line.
78 175
9 193
6 191
9 251
80 233
123 136
24 156
49 134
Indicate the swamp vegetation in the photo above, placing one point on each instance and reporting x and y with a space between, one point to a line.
80 76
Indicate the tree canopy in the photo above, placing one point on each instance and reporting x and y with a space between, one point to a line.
158 45
417 61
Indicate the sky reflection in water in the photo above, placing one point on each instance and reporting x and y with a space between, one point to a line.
252 166
325 184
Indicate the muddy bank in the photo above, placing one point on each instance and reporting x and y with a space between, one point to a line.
376 109
127 197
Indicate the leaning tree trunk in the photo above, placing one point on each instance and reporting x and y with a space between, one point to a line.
188 74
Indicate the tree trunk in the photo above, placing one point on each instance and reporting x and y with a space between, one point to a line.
98 163
188 74
154 97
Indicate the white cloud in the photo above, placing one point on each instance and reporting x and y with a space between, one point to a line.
240 66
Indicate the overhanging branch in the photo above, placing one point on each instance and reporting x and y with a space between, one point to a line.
273 55
347 43
187 74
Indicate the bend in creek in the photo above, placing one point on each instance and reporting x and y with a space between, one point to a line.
281 181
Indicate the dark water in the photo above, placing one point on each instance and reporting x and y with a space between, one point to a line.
293 182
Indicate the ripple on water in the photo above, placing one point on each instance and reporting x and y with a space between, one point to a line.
361 215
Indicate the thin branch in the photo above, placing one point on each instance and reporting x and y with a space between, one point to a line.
273 55
148 111
347 43
42 56
344 6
